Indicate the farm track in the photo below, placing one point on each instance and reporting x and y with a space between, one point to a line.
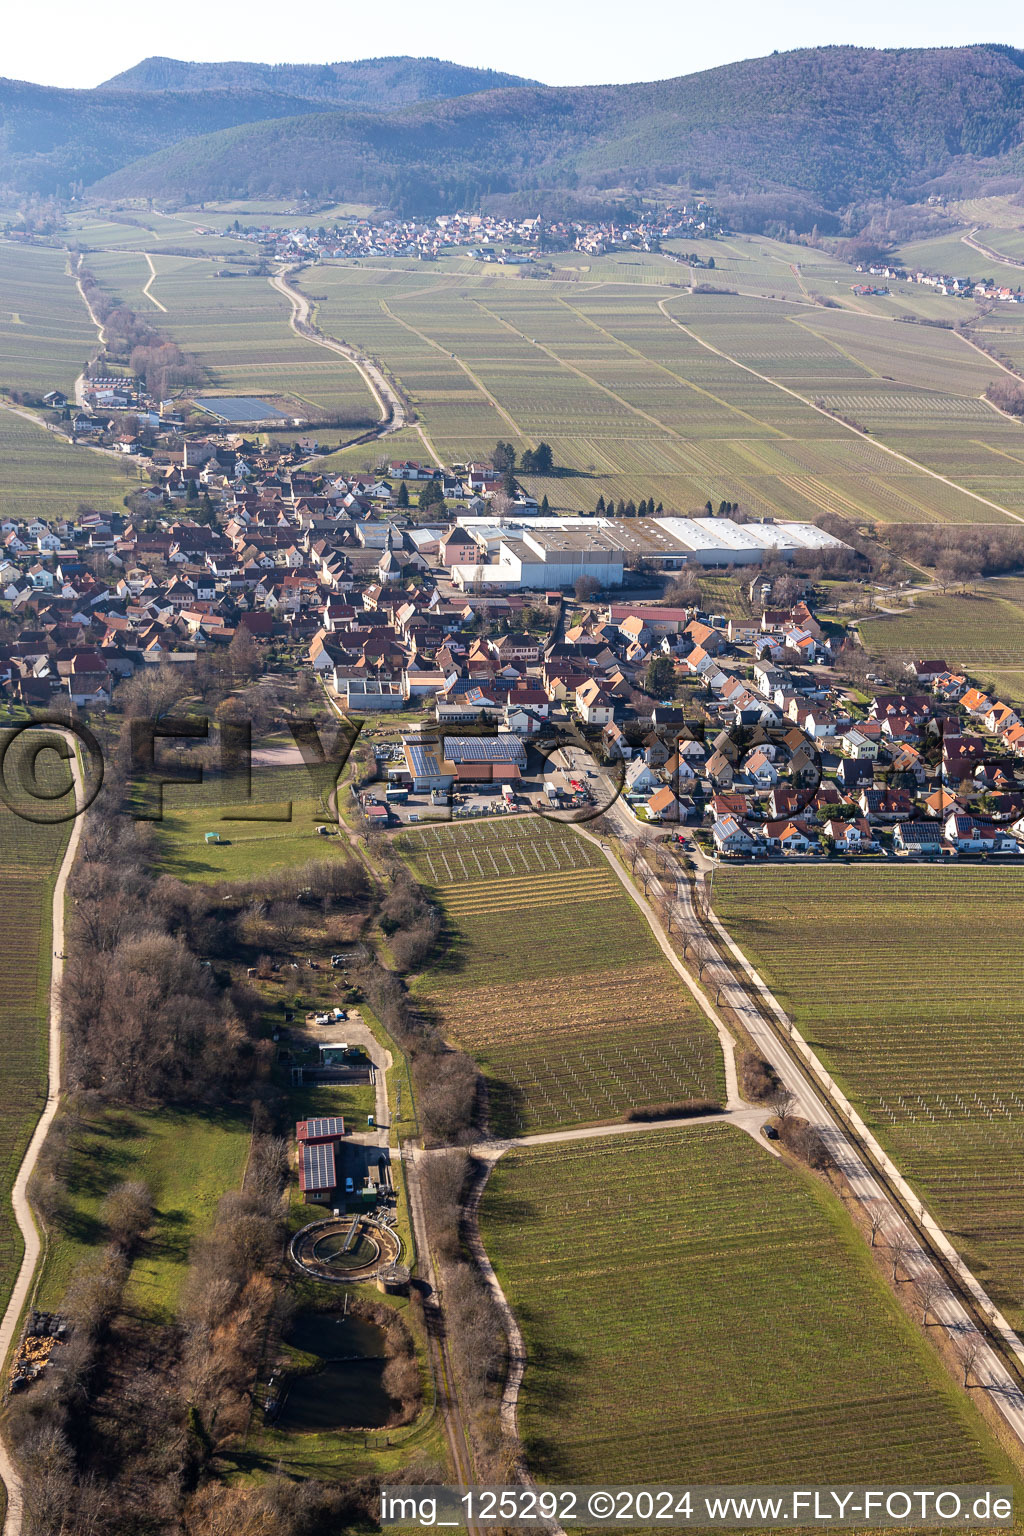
152 274
9 1325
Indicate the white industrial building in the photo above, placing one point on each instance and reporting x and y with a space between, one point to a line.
547 552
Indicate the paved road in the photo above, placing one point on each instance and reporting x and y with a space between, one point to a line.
9 1326
389 403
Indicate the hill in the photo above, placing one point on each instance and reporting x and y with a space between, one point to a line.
816 130
378 85
52 139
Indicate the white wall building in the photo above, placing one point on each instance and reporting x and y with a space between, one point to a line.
544 552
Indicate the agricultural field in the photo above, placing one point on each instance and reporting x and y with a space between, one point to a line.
696 1311
905 982
30 856
42 475
239 330
147 230
643 388
46 335
552 980
975 629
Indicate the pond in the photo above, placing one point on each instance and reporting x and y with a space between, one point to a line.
347 1391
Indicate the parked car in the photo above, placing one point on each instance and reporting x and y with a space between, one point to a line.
769 1132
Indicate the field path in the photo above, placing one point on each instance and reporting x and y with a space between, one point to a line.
19 1198
149 283
904 458
389 403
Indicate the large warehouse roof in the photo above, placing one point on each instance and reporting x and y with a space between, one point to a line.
653 536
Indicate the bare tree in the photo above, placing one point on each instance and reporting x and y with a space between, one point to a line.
127 1211
926 1290
876 1218
899 1247
701 957
781 1100
967 1351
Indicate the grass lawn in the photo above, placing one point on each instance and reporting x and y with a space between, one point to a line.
188 1158
907 984
550 977
282 816
696 1311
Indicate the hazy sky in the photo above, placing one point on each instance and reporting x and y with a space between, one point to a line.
563 42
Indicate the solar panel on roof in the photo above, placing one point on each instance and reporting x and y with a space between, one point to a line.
318 1168
327 1125
484 749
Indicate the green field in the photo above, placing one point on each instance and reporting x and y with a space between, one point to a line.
30 856
906 983
46 335
286 806
187 1157
695 1311
643 388
551 979
42 475
984 627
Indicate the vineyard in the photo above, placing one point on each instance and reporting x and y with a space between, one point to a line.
29 858
979 628
907 984
695 1311
552 980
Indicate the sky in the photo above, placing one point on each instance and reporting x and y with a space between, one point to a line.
562 42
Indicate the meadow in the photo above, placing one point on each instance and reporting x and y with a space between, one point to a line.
186 1156
30 856
273 828
981 628
906 983
695 1311
551 979
643 388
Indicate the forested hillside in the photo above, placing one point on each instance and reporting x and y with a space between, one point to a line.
817 133
377 84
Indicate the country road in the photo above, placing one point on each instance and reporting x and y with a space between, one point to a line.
392 409
986 250
9 1325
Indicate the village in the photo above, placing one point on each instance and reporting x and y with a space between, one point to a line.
488 236
494 617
